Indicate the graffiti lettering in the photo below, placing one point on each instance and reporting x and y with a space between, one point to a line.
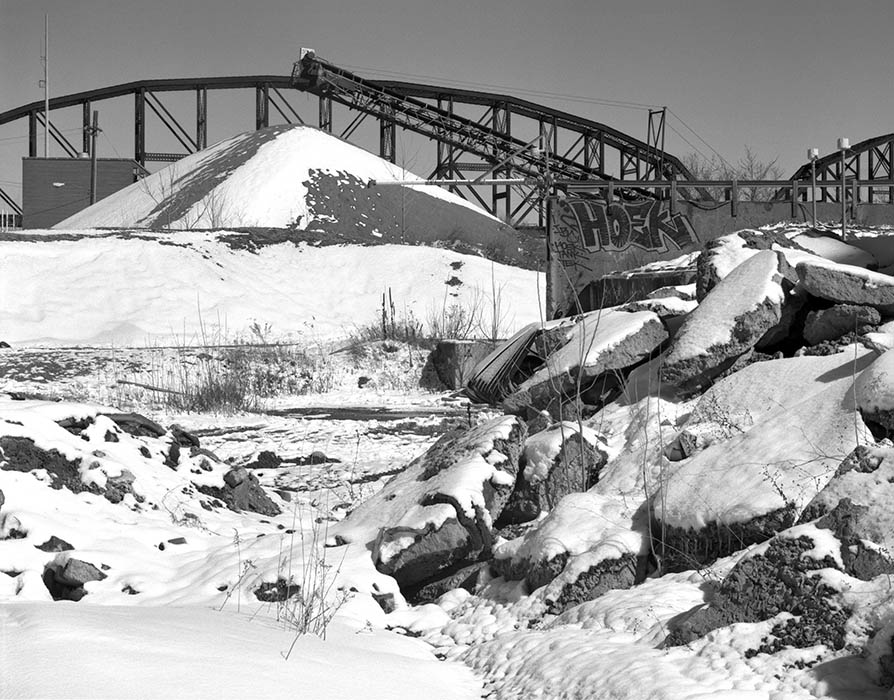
648 225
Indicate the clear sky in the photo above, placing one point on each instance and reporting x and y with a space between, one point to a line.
776 75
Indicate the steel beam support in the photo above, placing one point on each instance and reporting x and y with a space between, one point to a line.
201 118
326 114
32 134
168 119
87 126
262 117
139 127
387 138
501 194
287 105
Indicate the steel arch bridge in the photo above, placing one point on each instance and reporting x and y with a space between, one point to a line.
872 159
468 143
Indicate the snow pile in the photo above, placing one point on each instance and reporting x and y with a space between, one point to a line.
261 178
131 287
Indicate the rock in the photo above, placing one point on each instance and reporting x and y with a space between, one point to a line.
832 323
847 284
267 460
21 454
136 424
4 344
555 462
247 494
76 573
437 515
724 254
775 579
856 505
119 486
589 544
594 348
2 498
235 476
276 592
65 581
318 457
453 361
829 245
172 454
386 601
469 578
770 470
54 544
875 394
741 310
183 437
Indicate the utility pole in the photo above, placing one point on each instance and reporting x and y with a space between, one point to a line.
94 130
46 86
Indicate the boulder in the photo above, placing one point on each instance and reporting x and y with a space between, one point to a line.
246 494
724 254
770 470
587 545
742 309
453 361
834 322
21 454
65 580
847 284
437 515
875 394
856 505
564 458
829 245
598 345
775 578
55 544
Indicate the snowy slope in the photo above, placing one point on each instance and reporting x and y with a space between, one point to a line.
131 287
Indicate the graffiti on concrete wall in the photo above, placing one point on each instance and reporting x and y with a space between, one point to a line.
599 226
589 237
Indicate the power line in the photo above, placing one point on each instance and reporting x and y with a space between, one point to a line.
625 104
710 147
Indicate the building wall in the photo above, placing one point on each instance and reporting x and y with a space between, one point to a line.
55 188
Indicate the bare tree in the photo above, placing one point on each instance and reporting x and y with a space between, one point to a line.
748 167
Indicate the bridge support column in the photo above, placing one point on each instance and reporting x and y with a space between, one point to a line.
500 124
262 98
325 114
86 141
388 140
139 127
201 118
32 134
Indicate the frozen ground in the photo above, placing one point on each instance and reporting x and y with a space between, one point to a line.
176 614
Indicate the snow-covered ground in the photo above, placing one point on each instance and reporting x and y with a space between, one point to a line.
144 288
171 606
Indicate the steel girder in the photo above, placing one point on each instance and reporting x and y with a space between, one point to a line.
872 159
466 147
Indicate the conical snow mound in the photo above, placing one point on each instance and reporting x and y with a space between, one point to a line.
293 177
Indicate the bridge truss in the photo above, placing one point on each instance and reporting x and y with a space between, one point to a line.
474 133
